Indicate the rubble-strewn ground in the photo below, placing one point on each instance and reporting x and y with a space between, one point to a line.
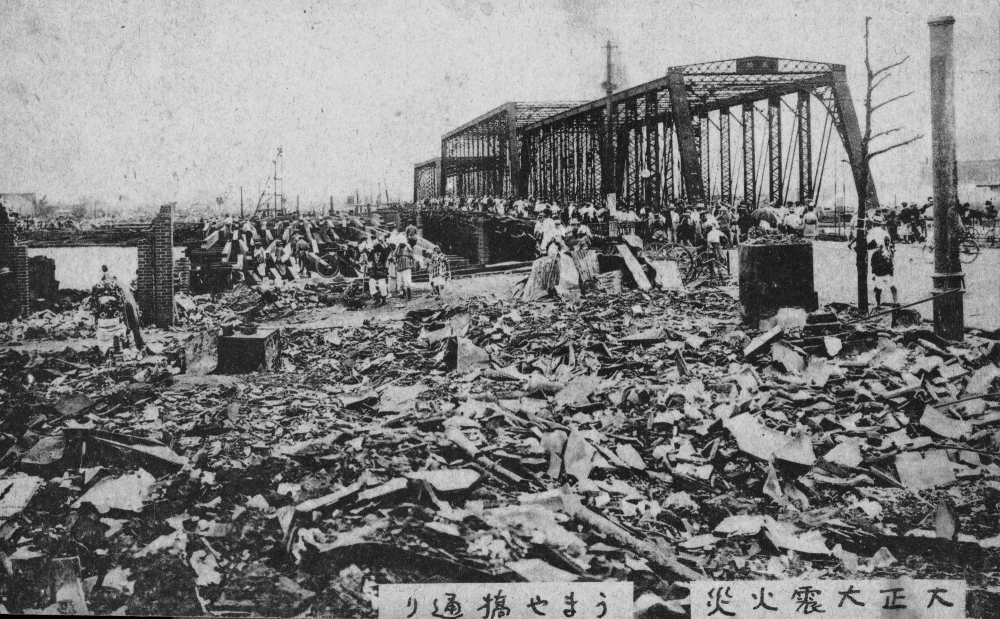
613 437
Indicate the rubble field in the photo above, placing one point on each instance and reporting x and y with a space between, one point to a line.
642 436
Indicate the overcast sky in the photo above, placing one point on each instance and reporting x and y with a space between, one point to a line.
156 101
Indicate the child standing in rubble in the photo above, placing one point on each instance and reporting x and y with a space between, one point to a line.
882 271
404 269
378 258
439 271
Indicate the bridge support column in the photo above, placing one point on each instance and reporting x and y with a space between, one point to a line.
725 161
668 160
683 124
749 158
774 147
652 182
804 116
705 153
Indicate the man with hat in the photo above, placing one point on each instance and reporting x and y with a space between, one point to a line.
578 236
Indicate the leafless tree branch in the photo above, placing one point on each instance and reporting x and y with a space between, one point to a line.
889 67
886 132
894 146
879 82
888 101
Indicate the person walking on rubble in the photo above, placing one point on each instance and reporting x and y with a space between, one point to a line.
301 253
404 269
882 271
107 302
378 257
132 312
438 270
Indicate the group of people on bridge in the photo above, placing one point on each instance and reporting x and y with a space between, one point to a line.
677 221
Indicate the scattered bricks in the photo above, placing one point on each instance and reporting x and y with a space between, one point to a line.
241 353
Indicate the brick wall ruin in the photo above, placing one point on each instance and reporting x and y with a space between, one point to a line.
15 258
155 291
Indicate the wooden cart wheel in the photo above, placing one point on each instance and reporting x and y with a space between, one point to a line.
331 266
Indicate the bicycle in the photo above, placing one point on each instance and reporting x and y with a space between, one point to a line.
669 251
968 250
710 264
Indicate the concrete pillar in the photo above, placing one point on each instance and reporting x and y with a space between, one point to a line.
948 278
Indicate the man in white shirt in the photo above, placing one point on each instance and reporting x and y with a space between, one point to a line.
713 239
793 223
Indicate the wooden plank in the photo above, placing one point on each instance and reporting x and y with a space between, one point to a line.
330 499
68 587
668 276
211 240
634 268
586 265
762 342
544 275
16 493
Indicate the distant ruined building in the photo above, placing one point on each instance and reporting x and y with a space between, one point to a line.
19 204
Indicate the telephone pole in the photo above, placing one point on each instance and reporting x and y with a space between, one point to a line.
949 310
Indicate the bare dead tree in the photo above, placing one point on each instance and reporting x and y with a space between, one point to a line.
875 79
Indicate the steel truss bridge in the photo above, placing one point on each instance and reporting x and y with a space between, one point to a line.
701 132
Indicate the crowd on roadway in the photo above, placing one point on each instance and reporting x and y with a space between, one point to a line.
678 221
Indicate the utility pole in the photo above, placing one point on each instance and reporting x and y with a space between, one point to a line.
949 310
608 165
241 201
275 205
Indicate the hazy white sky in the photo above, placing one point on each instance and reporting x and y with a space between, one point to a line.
155 101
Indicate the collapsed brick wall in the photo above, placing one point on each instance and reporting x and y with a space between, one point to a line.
15 258
155 291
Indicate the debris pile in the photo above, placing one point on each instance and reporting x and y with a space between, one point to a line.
280 249
644 436
64 323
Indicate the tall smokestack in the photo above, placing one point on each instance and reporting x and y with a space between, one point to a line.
948 308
